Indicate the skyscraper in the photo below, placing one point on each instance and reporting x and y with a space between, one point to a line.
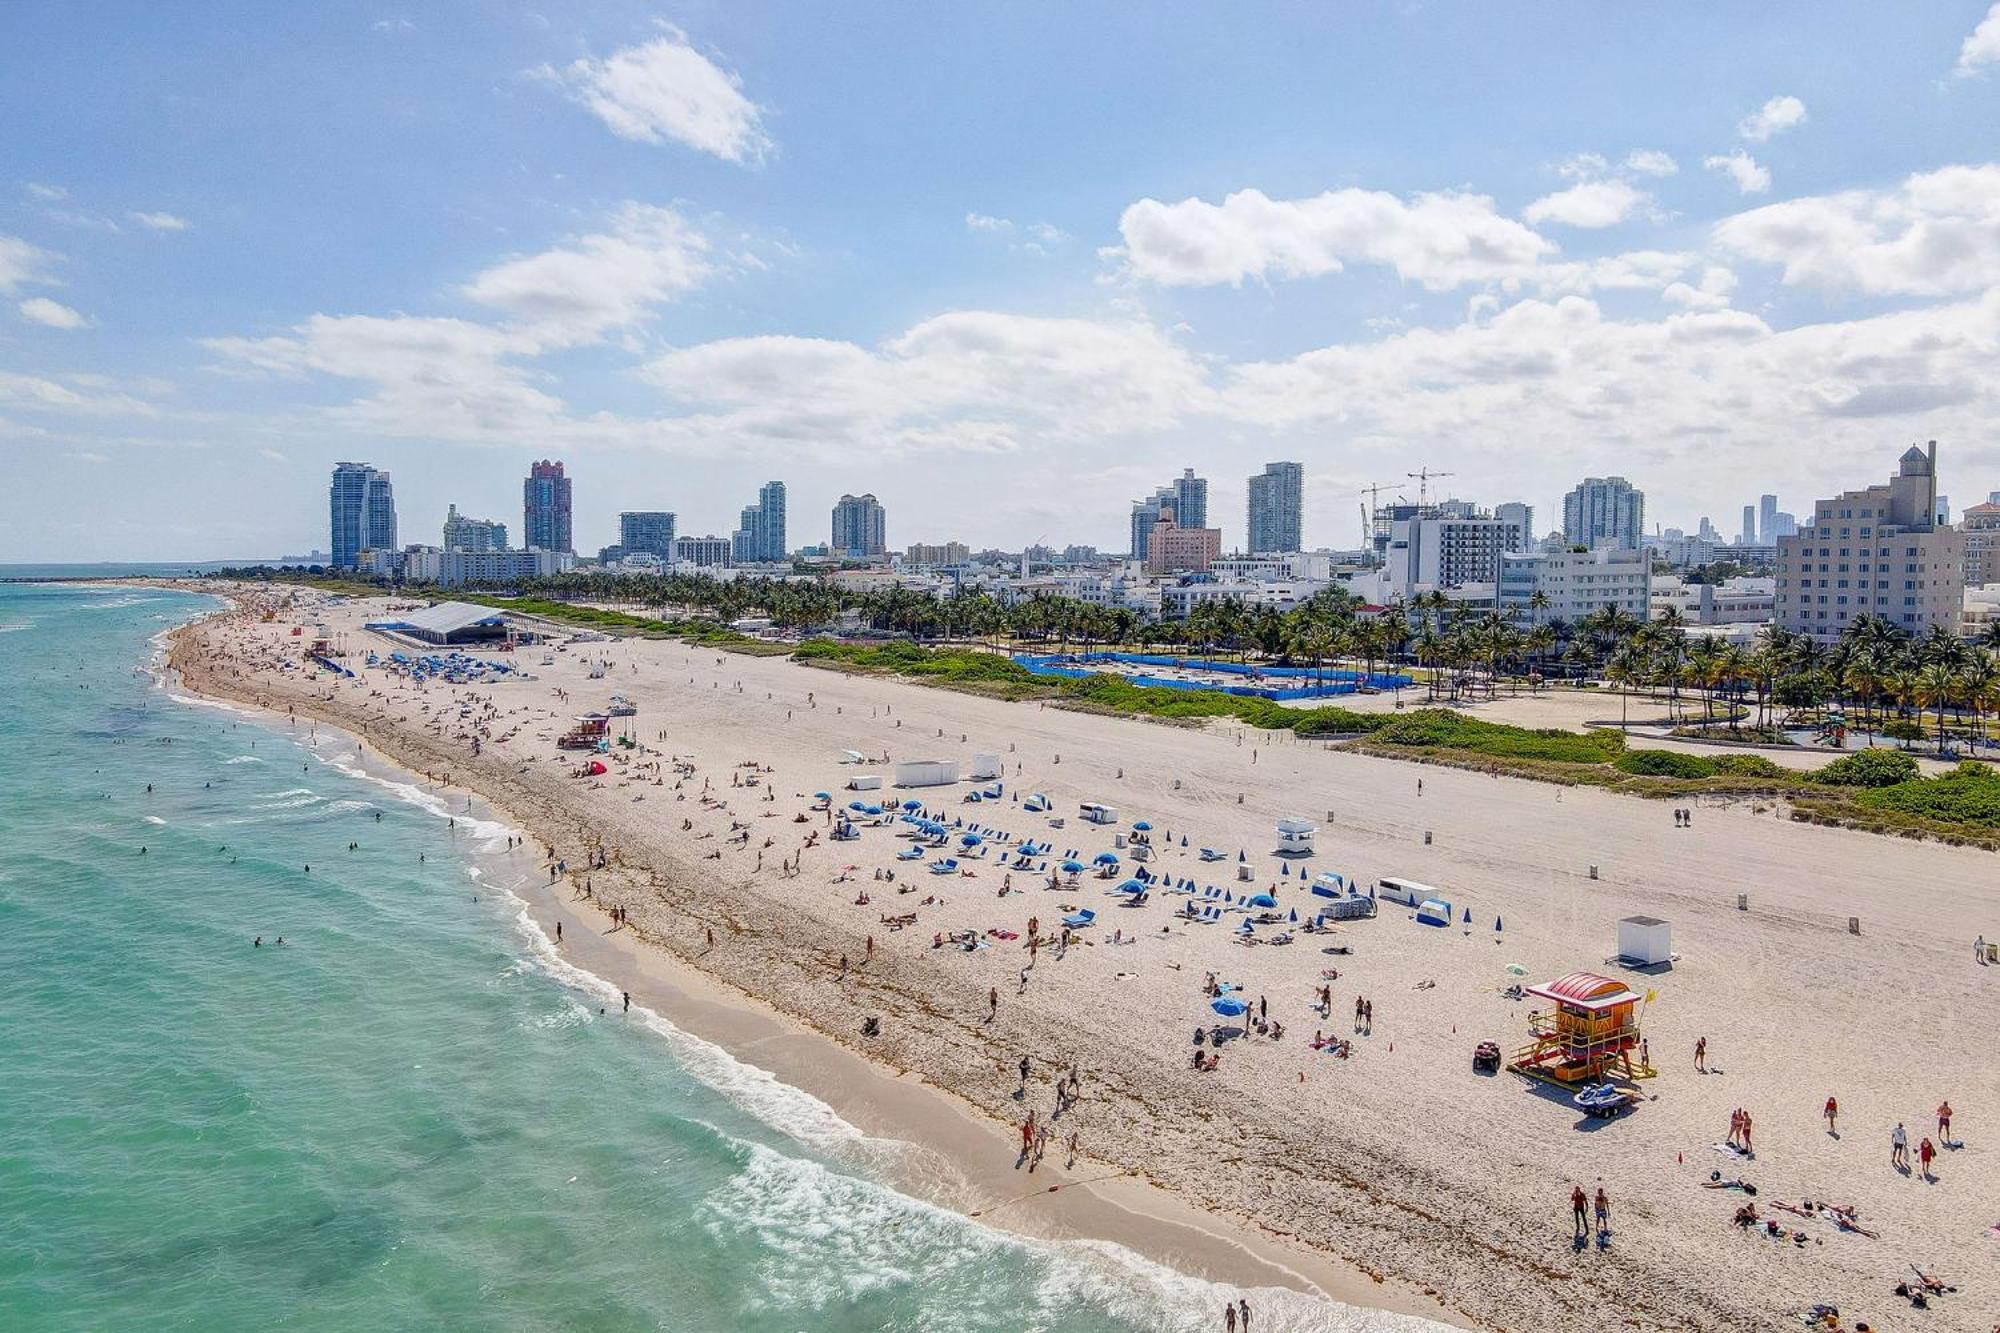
648 530
858 527
760 536
363 511
1276 509
1190 500
1604 511
545 508
1767 519
472 534
1749 537
1145 514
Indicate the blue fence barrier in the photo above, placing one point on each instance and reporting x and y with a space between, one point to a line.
1315 683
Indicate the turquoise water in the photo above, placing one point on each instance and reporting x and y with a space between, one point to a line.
413 1113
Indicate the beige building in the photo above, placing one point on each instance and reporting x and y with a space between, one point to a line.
1876 552
1980 525
1173 549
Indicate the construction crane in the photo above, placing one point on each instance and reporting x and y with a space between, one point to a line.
1374 494
1423 477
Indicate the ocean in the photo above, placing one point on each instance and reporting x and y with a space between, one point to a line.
412 1112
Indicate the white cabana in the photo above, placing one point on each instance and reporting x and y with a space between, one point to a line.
1295 837
927 772
986 766
1644 941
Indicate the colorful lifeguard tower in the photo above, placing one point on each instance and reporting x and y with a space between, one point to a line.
1592 1033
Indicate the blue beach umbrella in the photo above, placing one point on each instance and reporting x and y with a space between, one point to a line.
1142 826
1072 867
1496 925
1228 1006
1263 900
1131 886
913 804
1105 859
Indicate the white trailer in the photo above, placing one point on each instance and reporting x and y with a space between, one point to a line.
927 773
1295 837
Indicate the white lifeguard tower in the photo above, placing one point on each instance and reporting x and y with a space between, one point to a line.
1295 837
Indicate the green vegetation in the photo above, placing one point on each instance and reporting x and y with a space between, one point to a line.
1868 768
1969 795
1443 729
1664 764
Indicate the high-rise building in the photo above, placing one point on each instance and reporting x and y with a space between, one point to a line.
1577 584
545 508
1277 497
1145 515
1519 521
1767 519
1877 552
702 551
648 530
1435 552
1190 500
858 527
760 535
363 513
1605 511
472 534
1749 537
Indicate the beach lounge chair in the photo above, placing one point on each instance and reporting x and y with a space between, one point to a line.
948 866
910 854
1077 920
1211 914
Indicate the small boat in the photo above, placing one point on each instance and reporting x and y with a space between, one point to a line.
1602 1100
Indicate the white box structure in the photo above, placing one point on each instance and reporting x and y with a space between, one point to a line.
1295 837
865 782
986 766
927 772
1645 940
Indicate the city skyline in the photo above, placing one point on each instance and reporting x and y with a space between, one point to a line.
1755 274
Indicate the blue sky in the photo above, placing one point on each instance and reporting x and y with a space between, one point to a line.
1006 266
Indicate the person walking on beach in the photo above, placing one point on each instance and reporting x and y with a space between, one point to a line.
1603 1215
1899 1147
1832 1115
1746 1133
1701 1055
1925 1152
628 1001
1243 1314
1979 950
1229 1317
992 1003
1944 1122
1577 1205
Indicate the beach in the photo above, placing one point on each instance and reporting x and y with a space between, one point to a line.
1285 1166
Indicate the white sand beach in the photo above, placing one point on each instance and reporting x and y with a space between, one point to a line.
1395 1158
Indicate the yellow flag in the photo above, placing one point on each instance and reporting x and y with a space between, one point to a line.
1650 996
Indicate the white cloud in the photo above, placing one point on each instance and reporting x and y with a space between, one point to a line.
429 378
53 314
1601 203
1742 168
1712 293
1583 167
392 26
160 221
1034 237
1438 240
1775 116
977 380
1981 46
665 89
36 393
1651 162
577 292
48 194
1937 233
21 263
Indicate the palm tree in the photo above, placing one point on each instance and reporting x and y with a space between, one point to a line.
1624 667
1935 685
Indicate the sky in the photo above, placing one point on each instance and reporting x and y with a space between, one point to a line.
1007 266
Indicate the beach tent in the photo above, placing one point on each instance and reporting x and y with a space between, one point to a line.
1434 912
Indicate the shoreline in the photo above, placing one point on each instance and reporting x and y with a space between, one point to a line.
929 1125
1398 1158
